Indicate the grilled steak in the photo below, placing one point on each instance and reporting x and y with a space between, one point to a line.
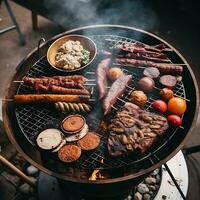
134 130
116 90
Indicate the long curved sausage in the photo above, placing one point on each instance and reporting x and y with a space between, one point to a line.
102 70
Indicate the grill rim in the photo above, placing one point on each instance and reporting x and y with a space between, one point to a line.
11 137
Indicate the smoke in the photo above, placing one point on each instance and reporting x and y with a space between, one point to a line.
76 13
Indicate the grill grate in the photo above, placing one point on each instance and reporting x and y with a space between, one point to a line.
33 118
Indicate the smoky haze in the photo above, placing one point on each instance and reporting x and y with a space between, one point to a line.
75 13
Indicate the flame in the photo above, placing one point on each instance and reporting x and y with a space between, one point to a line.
96 174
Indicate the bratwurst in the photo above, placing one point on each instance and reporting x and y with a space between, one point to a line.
102 70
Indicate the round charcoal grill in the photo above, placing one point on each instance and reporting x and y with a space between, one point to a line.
23 122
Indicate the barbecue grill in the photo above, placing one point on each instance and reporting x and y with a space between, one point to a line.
24 121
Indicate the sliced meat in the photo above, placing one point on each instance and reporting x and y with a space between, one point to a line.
151 72
168 81
116 90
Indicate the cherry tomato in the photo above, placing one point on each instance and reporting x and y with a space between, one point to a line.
177 106
174 120
160 105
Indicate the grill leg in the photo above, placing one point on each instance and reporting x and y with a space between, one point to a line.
34 20
21 37
174 180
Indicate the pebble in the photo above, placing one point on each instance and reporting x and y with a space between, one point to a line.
150 180
151 193
152 188
155 172
137 196
32 171
142 188
157 178
146 197
11 178
25 188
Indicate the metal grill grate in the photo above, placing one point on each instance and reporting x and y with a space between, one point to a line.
34 118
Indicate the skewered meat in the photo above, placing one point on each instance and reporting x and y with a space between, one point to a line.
163 67
57 85
144 56
62 90
146 84
134 130
168 81
74 107
151 72
102 70
137 48
116 90
35 98
56 78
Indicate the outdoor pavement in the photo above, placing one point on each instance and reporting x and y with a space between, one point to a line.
179 30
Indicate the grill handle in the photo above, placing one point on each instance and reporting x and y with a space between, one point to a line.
42 40
26 178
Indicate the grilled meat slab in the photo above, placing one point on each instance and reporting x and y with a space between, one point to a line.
115 91
134 130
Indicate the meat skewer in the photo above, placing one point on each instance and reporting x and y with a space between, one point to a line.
35 98
156 48
51 81
61 90
165 68
102 70
116 90
139 56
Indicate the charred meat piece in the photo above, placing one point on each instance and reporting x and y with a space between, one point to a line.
116 90
134 130
163 67
102 70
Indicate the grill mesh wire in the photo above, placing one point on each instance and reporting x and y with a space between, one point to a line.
34 118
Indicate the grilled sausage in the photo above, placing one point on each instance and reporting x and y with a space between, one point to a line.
35 98
74 107
102 71
168 81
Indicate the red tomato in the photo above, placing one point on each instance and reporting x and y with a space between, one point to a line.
160 105
174 120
